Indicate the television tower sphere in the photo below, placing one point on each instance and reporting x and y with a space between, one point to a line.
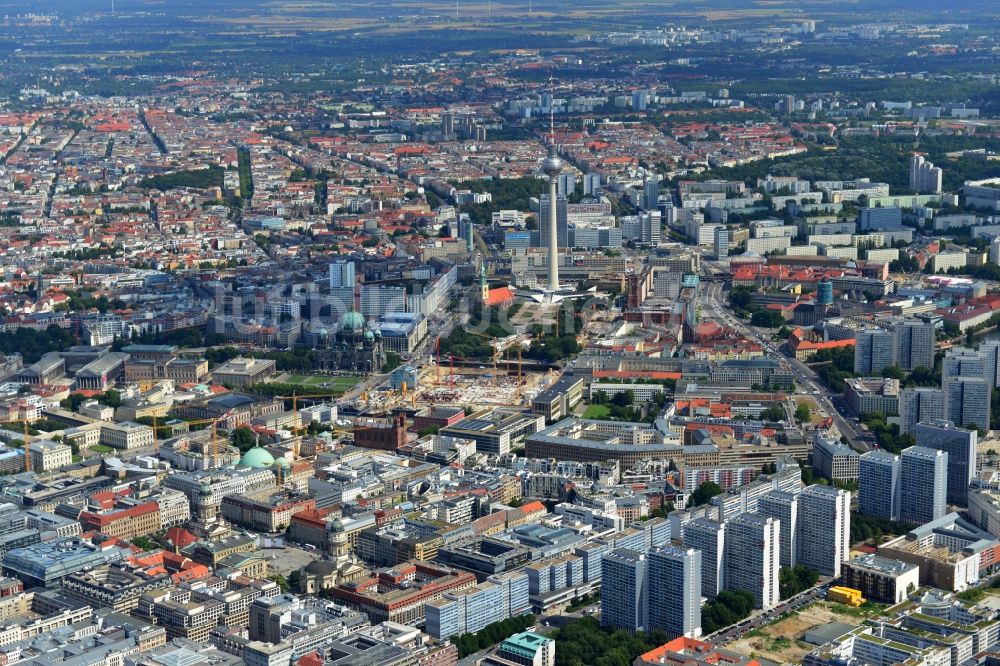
552 166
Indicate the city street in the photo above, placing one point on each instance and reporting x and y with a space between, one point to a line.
764 618
805 378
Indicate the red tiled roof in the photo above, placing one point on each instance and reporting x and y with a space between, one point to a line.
499 295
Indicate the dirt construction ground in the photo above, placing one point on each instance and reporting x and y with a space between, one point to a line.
782 642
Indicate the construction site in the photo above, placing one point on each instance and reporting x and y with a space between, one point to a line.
473 386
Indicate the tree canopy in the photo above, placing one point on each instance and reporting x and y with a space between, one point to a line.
704 493
243 438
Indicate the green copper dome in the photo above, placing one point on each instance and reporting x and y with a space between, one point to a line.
257 458
352 321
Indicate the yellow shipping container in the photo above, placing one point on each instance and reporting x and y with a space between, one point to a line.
845 595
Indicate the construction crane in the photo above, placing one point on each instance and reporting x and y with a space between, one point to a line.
493 346
213 423
437 365
295 397
27 442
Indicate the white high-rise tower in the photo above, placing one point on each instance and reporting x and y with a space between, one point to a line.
552 167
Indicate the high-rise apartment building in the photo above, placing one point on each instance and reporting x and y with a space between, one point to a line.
642 228
963 362
989 351
785 508
674 595
925 178
824 529
447 124
591 183
919 404
709 537
566 184
650 193
874 350
753 545
878 485
960 445
981 362
342 284
721 242
914 345
342 274
624 589
923 484
967 401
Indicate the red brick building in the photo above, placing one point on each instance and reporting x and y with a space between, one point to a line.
380 434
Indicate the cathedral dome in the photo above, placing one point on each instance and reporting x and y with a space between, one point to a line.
257 458
352 321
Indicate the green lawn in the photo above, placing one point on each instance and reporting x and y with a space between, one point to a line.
324 382
345 383
596 412
100 448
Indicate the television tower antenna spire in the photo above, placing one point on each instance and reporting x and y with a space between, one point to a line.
552 116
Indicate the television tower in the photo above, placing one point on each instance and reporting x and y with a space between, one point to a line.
552 167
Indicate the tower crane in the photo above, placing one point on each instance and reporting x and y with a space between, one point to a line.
296 397
27 441
213 423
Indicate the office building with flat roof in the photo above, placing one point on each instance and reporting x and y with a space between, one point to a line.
868 395
527 649
881 579
588 440
557 401
951 552
47 564
496 431
833 460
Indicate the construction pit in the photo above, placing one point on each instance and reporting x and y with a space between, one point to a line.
480 388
